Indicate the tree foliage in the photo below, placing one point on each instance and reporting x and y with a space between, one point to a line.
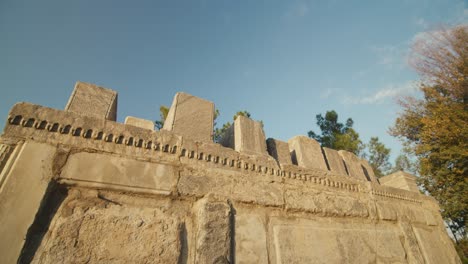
163 111
337 135
219 132
378 156
403 163
434 128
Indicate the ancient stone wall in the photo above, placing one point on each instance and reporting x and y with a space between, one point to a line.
81 188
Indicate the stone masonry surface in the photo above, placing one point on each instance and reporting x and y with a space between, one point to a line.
78 187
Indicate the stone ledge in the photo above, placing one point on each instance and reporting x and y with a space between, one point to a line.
59 127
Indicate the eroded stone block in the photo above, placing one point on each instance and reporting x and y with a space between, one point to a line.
191 116
279 150
335 161
435 246
100 229
91 100
307 153
251 242
400 180
139 122
368 171
213 244
22 192
106 170
314 242
353 164
247 136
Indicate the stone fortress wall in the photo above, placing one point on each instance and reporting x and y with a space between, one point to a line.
78 187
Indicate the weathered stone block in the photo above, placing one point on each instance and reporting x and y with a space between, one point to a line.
328 204
213 244
91 100
310 241
353 164
335 161
400 180
192 117
280 151
22 192
435 246
139 122
251 242
368 171
105 170
386 211
307 153
112 229
245 135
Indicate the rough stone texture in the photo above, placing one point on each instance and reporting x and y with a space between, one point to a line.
112 171
335 161
139 122
436 248
247 136
213 231
191 117
411 244
325 203
77 188
280 151
353 165
368 171
96 228
5 151
251 246
401 180
235 186
308 241
307 153
91 100
20 196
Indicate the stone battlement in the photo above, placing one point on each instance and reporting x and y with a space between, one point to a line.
246 200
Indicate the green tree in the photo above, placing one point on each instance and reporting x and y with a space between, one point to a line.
163 111
434 128
337 135
378 156
403 163
219 132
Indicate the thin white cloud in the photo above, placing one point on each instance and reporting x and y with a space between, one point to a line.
299 9
391 56
326 93
421 22
389 92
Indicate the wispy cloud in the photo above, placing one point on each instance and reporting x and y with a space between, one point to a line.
389 92
391 56
299 9
324 94
421 22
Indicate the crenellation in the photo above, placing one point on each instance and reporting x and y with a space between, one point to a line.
206 193
354 166
307 153
91 100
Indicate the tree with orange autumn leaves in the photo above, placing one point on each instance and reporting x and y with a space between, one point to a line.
434 127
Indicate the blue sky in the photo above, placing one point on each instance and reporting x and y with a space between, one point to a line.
284 61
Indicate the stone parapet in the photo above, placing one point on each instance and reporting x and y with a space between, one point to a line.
246 136
307 153
28 121
401 180
78 188
191 117
91 100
